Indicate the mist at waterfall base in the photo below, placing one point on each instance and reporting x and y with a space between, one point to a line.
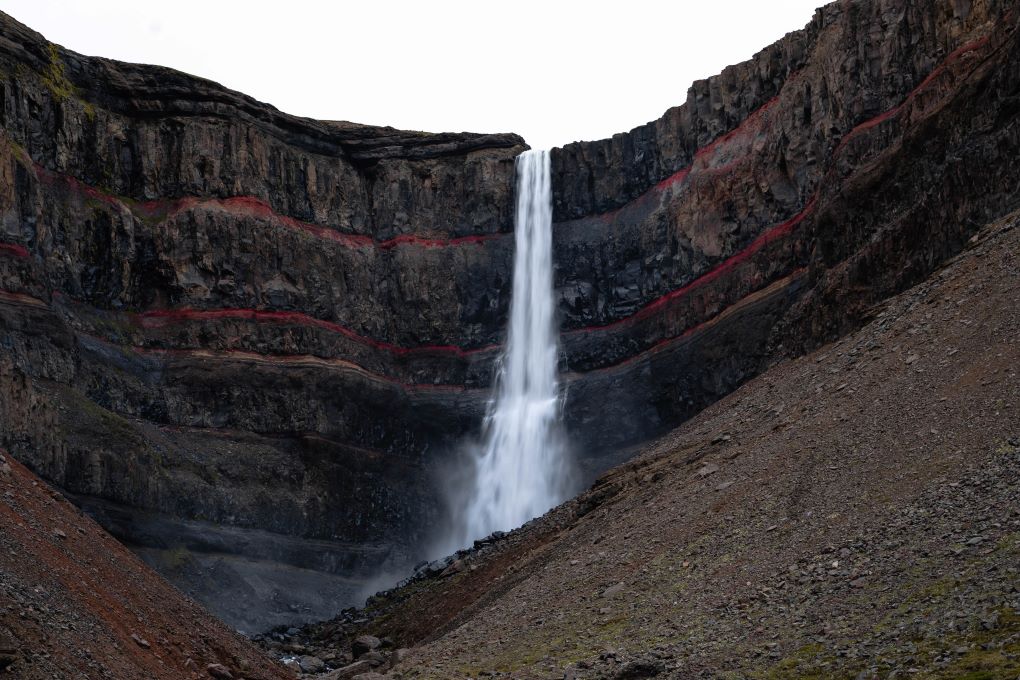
521 466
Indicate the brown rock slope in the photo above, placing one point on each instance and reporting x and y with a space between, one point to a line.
845 514
75 603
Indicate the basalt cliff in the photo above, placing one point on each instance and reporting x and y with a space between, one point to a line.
248 342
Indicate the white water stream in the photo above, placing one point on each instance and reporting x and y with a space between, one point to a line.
522 469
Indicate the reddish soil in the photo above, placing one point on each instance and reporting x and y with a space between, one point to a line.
74 603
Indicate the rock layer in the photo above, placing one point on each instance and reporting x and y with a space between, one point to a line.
224 323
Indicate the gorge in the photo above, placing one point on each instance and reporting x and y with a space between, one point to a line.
246 341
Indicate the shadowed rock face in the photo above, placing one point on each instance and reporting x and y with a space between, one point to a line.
225 324
239 337
784 199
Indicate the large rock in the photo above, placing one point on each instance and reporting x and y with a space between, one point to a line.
364 644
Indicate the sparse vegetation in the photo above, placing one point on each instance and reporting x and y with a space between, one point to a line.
54 77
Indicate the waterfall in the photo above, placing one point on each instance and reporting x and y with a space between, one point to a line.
521 467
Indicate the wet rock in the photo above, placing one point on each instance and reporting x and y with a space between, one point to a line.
494 537
311 664
455 568
364 644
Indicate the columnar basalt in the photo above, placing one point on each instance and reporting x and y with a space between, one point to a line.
223 320
247 340
765 232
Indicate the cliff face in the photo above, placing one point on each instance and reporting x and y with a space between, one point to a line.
784 199
236 335
246 340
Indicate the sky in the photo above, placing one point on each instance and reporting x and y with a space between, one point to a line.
554 71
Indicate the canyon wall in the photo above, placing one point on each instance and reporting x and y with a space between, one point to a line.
779 204
248 341
237 336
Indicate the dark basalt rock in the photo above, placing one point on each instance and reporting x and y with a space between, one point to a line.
249 342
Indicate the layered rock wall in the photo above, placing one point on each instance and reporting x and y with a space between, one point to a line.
218 313
783 200
248 340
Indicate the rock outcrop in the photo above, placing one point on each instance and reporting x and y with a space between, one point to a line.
246 341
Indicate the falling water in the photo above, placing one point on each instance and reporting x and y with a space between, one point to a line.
522 468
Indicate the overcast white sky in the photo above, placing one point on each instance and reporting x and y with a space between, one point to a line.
552 70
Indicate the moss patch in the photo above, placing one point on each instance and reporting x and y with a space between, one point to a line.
54 77
991 654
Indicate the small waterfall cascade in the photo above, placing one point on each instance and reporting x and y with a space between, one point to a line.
522 467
